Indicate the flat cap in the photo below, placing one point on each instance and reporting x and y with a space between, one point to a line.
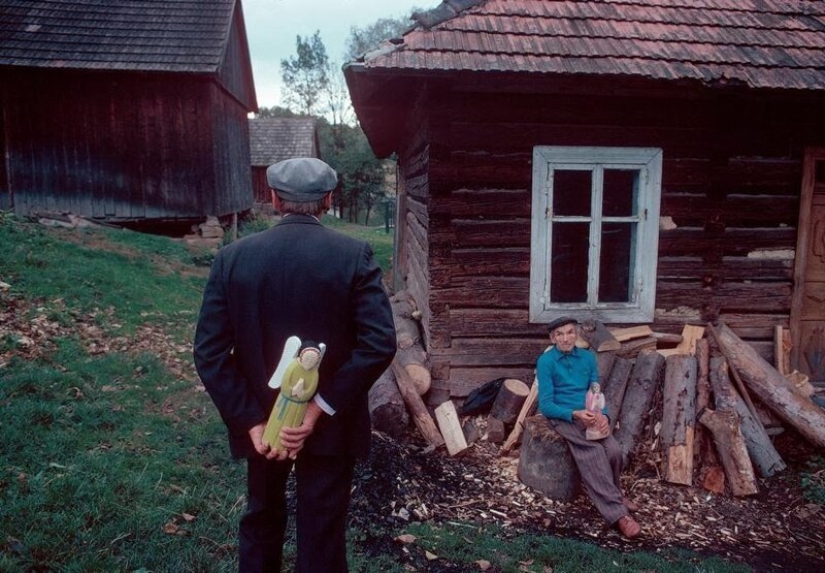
559 322
302 179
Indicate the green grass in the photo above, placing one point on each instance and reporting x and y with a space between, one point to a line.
113 462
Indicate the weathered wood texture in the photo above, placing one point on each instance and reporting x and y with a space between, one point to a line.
760 448
773 389
122 147
730 191
678 418
388 412
614 387
645 379
732 451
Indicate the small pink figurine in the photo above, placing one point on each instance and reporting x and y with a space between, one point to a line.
594 402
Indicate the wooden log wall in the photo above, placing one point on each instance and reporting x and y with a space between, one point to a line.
114 147
730 197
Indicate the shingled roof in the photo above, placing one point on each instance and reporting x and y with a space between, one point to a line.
143 35
273 140
756 43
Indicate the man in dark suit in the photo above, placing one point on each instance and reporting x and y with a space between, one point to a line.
296 279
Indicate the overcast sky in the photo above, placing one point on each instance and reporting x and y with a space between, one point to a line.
272 26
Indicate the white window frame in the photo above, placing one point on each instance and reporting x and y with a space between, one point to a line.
547 159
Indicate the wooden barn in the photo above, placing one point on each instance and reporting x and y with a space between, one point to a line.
632 162
125 111
275 139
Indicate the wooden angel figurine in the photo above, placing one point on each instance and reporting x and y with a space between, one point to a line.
298 382
594 402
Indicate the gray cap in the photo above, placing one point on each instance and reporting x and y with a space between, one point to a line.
302 179
561 321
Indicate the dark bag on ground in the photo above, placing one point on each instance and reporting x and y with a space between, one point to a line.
480 400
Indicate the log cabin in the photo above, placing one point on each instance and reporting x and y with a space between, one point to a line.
275 139
654 162
125 111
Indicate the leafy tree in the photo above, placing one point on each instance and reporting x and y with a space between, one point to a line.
306 74
277 111
362 174
368 38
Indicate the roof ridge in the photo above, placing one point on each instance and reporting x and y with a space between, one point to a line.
447 10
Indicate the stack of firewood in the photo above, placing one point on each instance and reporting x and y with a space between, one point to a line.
711 401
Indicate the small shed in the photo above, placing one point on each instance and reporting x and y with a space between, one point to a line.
655 162
125 111
275 139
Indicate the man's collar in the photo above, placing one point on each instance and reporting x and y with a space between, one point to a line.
560 354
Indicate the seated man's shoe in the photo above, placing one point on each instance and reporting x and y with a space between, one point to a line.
629 527
630 505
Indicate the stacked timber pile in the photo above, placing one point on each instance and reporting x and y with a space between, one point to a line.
705 399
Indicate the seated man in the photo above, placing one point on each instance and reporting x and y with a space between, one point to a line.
564 375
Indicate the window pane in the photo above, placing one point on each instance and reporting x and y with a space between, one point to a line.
571 192
615 262
620 187
569 262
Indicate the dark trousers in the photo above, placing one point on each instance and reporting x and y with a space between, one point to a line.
323 485
600 465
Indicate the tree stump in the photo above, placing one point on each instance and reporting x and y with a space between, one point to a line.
509 400
545 462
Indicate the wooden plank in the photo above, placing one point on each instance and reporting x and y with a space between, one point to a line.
448 423
690 334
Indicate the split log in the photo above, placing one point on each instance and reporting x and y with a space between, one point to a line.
387 410
625 334
711 476
545 462
447 419
418 410
414 361
598 337
782 350
678 415
760 448
731 447
527 409
509 400
614 388
773 389
690 335
666 338
739 383
604 363
645 378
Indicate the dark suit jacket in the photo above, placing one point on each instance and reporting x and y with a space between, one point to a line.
297 278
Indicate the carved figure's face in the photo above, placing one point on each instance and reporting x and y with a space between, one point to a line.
309 358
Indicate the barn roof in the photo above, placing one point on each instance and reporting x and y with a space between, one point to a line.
139 35
760 43
276 139
700 44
